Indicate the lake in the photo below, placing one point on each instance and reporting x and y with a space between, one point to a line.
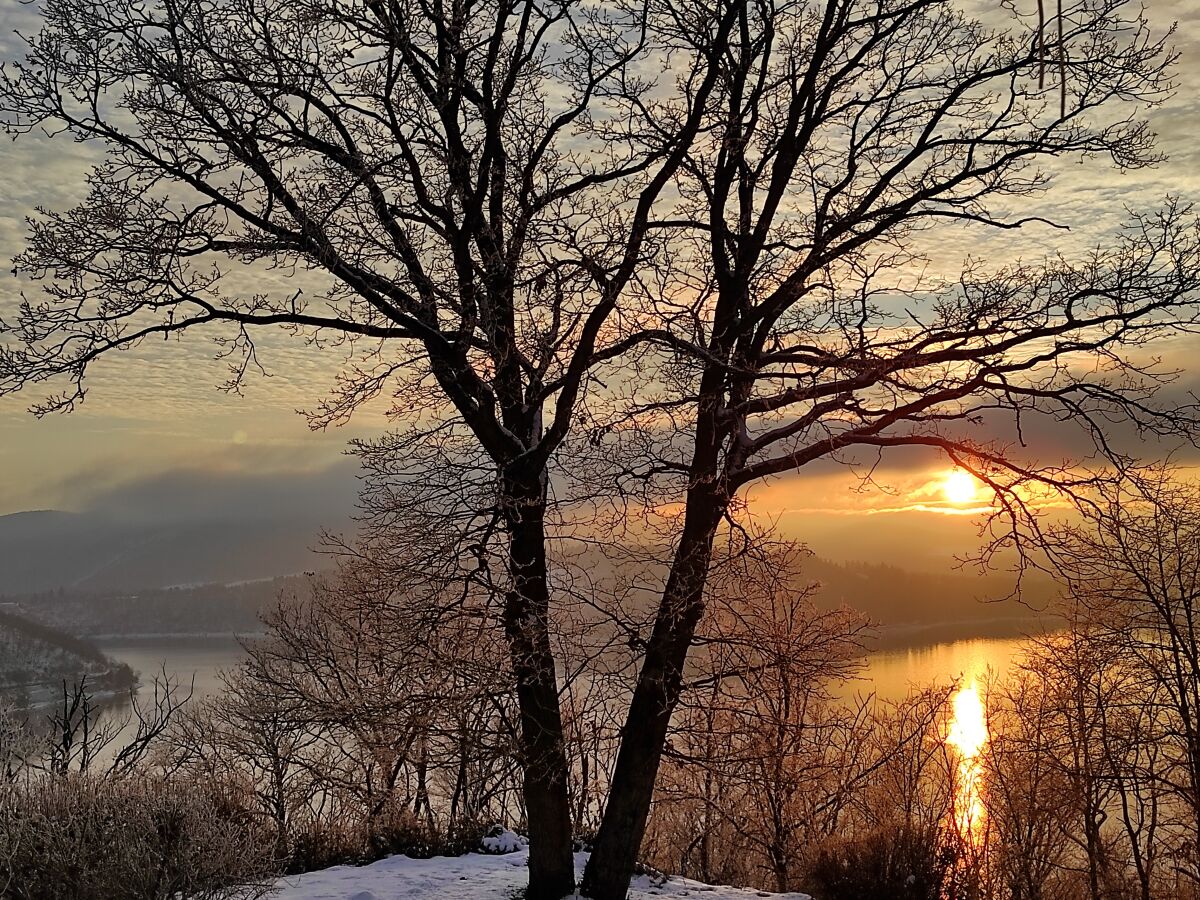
184 658
889 673
892 673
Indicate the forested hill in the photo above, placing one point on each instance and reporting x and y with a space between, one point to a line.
925 607
99 552
912 607
191 610
35 655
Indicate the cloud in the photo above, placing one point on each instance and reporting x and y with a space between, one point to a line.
155 438
253 486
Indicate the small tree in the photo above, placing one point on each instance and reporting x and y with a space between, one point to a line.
255 738
792 749
1031 812
1133 569
409 702
762 754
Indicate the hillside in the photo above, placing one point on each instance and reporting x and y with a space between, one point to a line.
193 610
912 608
98 552
34 656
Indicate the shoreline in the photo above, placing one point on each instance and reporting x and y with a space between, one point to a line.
117 637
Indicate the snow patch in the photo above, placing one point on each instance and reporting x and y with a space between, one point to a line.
476 876
500 840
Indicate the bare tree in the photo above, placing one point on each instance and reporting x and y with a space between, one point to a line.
1080 771
783 739
773 766
405 697
19 745
793 330
252 736
456 189
84 734
1030 808
1132 569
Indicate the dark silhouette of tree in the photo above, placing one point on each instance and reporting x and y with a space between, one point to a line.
1132 569
791 323
454 188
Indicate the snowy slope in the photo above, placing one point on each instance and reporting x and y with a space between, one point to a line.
471 877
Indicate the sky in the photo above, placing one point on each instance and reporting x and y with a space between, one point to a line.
155 412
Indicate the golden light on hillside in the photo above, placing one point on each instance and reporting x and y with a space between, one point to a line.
960 487
968 735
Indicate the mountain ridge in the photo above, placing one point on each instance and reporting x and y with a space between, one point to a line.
47 550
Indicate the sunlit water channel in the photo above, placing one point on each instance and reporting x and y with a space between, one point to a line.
195 663
890 674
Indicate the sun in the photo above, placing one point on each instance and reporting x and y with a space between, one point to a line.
959 487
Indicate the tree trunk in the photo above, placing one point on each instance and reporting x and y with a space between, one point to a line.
422 801
779 866
655 696
542 748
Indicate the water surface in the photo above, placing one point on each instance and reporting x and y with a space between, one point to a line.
184 658
890 674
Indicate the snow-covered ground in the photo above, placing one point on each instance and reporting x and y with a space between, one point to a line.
476 876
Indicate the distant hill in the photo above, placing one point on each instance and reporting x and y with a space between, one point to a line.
912 608
192 610
918 607
35 658
170 564
93 551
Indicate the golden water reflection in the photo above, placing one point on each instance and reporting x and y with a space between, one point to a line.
967 736
892 674
970 665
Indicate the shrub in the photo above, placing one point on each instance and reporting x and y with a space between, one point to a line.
82 838
898 863
321 845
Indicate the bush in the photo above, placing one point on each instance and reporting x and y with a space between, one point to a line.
81 838
319 844
897 863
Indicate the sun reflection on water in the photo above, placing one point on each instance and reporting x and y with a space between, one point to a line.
968 735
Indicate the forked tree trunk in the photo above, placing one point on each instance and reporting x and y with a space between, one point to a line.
542 748
654 699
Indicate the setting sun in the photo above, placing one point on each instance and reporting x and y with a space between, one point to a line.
959 487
